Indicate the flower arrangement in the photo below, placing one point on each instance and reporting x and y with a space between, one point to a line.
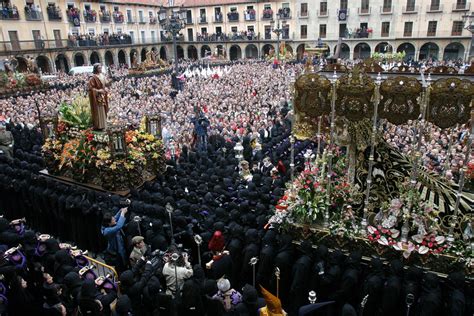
408 224
307 199
389 57
85 156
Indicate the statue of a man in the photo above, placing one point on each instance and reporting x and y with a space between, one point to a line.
98 98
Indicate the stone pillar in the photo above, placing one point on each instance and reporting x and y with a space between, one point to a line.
115 57
127 59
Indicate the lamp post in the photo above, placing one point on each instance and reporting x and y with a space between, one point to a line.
173 24
278 30
469 25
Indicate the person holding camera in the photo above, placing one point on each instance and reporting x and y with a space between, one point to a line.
115 254
176 271
138 251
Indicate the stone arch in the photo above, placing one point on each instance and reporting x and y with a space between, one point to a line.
288 48
180 52
122 60
62 63
362 51
251 51
453 51
192 52
163 54
383 47
22 64
300 50
409 50
94 58
235 52
79 60
345 51
109 58
44 64
205 51
267 49
429 50
143 54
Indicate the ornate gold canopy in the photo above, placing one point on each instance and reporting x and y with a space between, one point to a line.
400 99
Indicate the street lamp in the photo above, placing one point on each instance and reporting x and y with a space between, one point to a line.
173 24
469 25
278 30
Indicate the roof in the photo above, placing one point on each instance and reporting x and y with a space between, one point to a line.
178 3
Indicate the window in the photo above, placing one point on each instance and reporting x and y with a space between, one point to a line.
203 30
343 5
385 29
304 9
322 30
343 30
323 8
116 9
408 29
14 40
432 28
434 5
410 5
190 35
267 7
140 16
129 16
233 9
457 28
268 32
87 7
461 4
142 35
132 36
364 6
387 6
233 29
285 5
91 31
304 31
286 31
219 30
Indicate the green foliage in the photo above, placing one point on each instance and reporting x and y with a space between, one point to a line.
77 114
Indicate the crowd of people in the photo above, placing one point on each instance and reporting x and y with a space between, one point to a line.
104 39
233 36
185 243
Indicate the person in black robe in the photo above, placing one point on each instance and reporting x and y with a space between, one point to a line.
300 276
455 297
391 302
411 285
283 261
250 250
349 281
251 303
373 288
430 303
267 254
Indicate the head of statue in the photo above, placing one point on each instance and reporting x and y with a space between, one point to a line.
97 69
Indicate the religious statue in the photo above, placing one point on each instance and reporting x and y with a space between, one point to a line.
31 65
98 98
134 60
149 59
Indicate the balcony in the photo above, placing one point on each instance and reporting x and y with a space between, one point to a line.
285 13
10 14
74 16
233 16
105 17
33 15
384 34
218 18
322 14
249 15
364 11
407 33
303 14
141 20
462 6
118 17
434 8
268 36
202 20
267 14
153 20
412 9
431 33
456 32
90 16
386 10
54 14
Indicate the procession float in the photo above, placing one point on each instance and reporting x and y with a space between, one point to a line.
357 191
111 157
